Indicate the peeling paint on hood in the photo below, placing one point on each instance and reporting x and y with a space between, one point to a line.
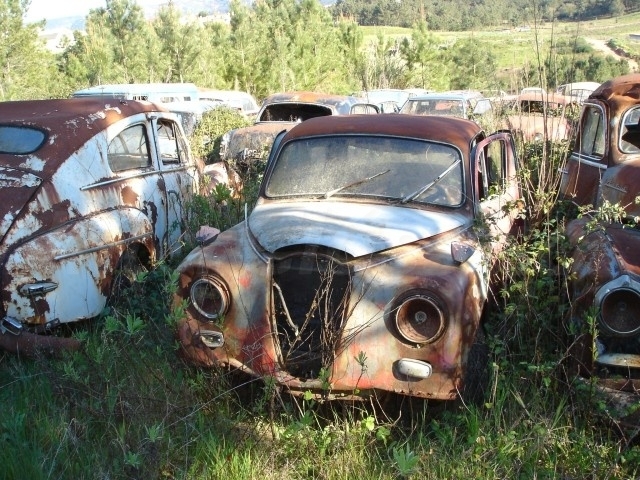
357 229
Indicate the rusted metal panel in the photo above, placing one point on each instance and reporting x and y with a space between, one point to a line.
349 292
67 217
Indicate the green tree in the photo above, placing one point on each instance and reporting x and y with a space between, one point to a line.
27 69
384 66
280 45
473 66
119 47
90 60
180 43
421 54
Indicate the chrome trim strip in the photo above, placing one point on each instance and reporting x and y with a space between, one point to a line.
615 187
101 247
587 161
111 181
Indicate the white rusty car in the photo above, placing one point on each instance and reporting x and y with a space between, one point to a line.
365 263
87 185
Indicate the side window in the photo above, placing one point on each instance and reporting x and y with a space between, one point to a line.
592 138
491 169
129 150
170 143
630 131
496 166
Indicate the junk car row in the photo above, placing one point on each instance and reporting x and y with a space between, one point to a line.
364 265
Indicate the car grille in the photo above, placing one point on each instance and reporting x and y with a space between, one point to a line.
310 292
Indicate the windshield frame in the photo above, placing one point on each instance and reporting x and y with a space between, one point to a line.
358 176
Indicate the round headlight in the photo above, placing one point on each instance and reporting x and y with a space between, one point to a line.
210 297
620 312
419 319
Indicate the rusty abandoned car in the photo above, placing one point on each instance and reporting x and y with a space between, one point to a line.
604 171
244 147
364 264
537 116
88 186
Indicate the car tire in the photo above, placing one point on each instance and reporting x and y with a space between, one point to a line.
476 377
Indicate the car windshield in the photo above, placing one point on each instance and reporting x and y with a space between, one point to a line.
435 106
372 166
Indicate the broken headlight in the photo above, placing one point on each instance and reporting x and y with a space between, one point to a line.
210 297
619 302
419 318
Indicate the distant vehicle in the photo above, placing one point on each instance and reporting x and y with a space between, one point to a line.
538 90
152 92
578 91
537 116
91 190
191 112
281 111
391 100
242 101
455 103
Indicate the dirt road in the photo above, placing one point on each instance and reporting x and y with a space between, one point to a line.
601 45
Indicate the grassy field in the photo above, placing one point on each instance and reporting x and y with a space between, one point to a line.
514 48
127 407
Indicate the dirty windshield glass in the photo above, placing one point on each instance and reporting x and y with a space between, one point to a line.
20 140
386 167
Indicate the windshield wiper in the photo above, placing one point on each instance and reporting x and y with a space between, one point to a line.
353 184
421 190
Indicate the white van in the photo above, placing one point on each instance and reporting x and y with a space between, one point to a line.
152 92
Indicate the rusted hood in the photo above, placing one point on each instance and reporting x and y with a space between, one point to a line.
255 138
16 189
357 229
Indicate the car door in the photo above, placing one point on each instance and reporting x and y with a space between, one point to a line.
179 177
497 188
132 157
581 174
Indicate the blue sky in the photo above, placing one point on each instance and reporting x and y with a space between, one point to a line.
47 9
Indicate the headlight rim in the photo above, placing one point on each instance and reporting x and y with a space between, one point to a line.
412 295
223 292
617 285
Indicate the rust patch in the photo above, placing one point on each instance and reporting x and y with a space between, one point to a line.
129 196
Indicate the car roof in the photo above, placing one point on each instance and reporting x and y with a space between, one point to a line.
449 95
625 89
311 97
69 123
619 93
532 96
453 130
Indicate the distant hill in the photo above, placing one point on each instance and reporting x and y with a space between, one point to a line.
150 7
